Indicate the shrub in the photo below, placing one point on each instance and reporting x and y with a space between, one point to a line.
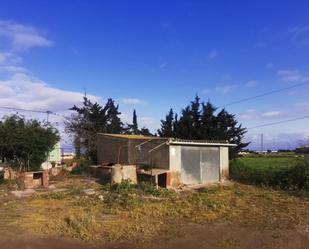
82 167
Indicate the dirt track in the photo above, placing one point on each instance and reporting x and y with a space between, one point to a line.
210 236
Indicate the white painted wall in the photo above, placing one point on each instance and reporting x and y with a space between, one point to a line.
175 158
224 163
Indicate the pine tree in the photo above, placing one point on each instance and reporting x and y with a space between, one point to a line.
114 124
198 121
185 124
208 121
229 130
91 119
167 125
196 118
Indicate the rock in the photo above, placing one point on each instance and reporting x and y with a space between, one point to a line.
25 193
101 197
60 190
51 187
89 191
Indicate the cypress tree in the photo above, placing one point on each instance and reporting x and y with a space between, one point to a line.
134 124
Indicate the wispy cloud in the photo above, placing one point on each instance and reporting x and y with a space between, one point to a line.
213 54
269 65
261 44
251 83
292 76
163 65
206 91
271 114
22 37
225 89
300 34
132 101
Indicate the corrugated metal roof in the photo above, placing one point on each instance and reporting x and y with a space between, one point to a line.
174 141
128 136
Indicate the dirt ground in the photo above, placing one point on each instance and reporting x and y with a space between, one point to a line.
222 217
210 236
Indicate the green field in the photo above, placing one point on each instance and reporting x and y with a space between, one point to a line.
288 172
271 162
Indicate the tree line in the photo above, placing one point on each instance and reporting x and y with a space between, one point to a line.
197 121
27 143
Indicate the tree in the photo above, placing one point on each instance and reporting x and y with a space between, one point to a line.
208 121
167 125
134 124
228 130
26 143
89 120
198 121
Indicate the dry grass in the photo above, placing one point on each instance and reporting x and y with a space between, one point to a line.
114 216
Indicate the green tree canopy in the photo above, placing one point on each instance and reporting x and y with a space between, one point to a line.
199 121
26 143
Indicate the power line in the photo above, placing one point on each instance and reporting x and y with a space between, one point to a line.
263 94
278 122
33 110
21 109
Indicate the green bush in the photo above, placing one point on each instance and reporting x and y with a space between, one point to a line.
290 178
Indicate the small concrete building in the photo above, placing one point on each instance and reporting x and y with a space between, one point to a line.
186 161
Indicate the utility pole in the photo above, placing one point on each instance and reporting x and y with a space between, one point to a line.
262 143
47 120
47 116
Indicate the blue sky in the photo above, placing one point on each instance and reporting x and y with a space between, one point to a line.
153 55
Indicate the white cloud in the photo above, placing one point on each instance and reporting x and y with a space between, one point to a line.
251 83
292 76
300 34
225 89
213 54
163 65
252 114
271 114
132 101
206 91
22 37
23 91
269 65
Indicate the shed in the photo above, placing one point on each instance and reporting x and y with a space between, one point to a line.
187 161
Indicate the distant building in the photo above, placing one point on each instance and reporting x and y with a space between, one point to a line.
54 157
